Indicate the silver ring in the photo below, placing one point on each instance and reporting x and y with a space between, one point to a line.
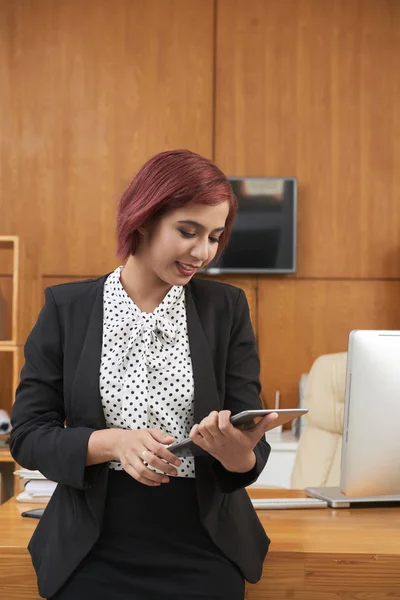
142 454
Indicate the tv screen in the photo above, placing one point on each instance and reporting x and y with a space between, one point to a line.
263 238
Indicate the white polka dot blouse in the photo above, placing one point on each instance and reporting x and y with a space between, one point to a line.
146 376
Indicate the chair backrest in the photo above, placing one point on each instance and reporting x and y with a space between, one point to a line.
318 455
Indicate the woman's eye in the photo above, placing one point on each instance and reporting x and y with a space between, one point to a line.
186 234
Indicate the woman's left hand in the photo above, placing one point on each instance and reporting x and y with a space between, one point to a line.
228 444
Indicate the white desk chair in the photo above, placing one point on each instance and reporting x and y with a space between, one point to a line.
317 461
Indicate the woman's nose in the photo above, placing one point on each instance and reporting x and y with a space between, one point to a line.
200 250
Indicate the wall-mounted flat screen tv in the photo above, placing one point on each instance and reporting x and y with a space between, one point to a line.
263 238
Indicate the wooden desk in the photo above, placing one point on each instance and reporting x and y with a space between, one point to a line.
315 554
17 577
329 554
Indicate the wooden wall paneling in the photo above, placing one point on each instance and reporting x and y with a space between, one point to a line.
6 258
6 379
19 288
299 320
9 248
26 270
10 367
49 280
380 139
89 92
21 137
5 307
98 88
18 364
310 89
29 296
6 289
253 39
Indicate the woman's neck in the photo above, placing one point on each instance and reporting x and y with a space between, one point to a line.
143 286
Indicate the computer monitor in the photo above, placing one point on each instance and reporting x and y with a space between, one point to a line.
264 234
370 463
371 425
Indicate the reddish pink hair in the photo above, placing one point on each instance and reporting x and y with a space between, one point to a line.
168 181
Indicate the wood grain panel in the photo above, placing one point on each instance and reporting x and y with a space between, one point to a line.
377 573
308 88
292 565
89 92
327 554
5 456
368 595
13 564
50 280
5 307
19 363
298 320
260 592
6 380
8 261
336 577
29 302
11 361
93 89
6 258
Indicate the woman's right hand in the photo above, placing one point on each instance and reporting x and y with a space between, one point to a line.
138 448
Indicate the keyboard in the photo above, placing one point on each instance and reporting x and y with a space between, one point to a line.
274 503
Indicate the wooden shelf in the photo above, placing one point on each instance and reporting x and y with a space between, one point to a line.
13 240
5 455
15 369
10 366
9 238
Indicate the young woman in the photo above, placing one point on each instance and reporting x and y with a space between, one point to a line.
117 368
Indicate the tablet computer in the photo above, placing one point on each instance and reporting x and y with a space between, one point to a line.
245 421
35 513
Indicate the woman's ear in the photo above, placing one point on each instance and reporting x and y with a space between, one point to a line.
137 238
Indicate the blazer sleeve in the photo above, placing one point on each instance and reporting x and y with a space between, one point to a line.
39 439
242 391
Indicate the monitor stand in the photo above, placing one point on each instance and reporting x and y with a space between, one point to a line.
336 499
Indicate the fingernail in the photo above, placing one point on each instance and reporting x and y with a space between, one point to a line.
165 480
177 463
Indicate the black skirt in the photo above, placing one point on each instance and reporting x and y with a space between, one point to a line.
153 546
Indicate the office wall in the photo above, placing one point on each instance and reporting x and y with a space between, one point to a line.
267 87
90 90
310 88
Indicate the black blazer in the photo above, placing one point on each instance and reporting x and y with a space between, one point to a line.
60 384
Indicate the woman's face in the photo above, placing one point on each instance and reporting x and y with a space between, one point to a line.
182 241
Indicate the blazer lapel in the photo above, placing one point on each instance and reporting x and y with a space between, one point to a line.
87 377
205 387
